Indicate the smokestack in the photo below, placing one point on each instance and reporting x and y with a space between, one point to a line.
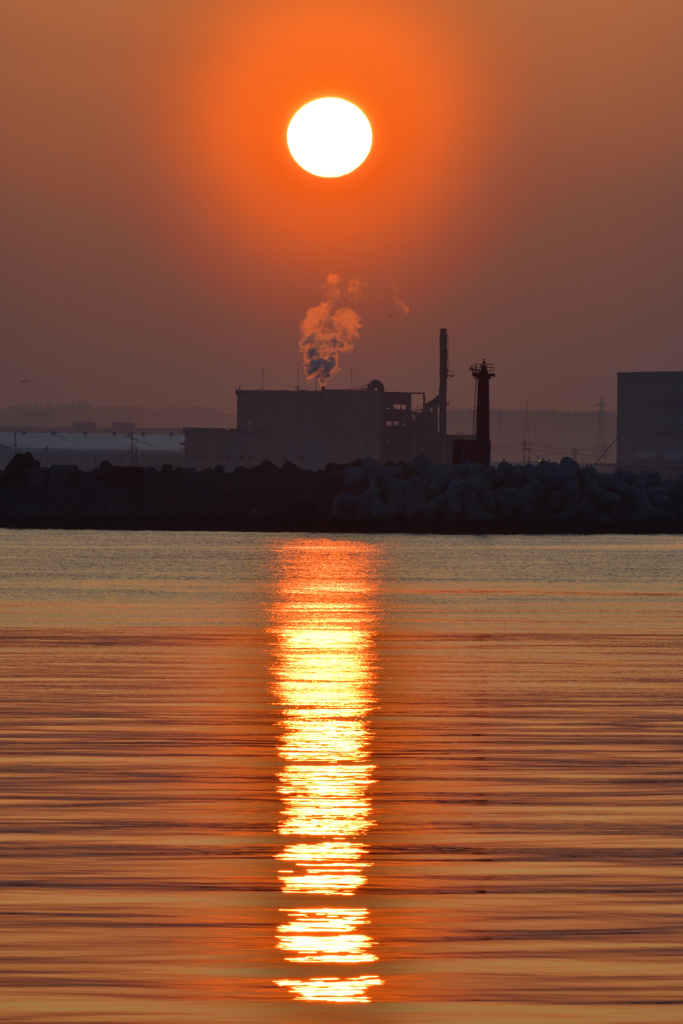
443 391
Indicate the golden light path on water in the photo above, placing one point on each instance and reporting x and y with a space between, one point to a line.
324 623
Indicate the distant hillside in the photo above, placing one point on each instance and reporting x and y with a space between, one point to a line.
65 414
552 434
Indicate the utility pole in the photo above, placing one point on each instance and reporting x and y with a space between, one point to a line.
444 375
501 433
526 436
601 425
262 376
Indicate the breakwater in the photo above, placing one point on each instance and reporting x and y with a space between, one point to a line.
364 496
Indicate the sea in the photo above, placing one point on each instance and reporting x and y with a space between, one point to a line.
295 778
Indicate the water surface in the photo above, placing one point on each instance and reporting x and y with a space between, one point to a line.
282 779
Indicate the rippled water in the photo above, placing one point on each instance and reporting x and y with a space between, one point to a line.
283 779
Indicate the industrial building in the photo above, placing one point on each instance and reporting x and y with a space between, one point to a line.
650 422
313 428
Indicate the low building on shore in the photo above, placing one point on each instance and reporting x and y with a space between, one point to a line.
650 422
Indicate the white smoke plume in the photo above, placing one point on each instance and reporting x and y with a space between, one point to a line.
330 328
403 306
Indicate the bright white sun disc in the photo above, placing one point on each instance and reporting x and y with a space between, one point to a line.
329 137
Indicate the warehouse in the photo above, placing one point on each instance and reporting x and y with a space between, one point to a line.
650 422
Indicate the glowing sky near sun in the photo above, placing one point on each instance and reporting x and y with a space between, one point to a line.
160 244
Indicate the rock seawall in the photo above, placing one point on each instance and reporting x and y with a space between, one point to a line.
416 497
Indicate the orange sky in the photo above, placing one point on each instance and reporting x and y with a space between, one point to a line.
160 246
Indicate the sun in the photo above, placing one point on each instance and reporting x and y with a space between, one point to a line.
329 137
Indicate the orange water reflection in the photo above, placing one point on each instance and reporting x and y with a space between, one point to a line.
324 622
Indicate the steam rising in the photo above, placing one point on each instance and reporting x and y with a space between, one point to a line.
403 306
330 328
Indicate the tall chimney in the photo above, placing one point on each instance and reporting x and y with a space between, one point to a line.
443 391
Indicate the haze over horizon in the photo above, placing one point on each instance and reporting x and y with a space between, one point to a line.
160 246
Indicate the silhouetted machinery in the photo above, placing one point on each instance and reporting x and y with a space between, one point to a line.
477 448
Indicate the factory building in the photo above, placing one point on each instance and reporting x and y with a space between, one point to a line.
650 422
313 428
310 428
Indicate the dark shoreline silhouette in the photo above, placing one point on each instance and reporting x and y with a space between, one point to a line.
363 496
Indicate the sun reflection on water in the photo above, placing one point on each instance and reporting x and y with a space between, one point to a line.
324 624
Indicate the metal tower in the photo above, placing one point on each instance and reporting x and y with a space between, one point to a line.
443 392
